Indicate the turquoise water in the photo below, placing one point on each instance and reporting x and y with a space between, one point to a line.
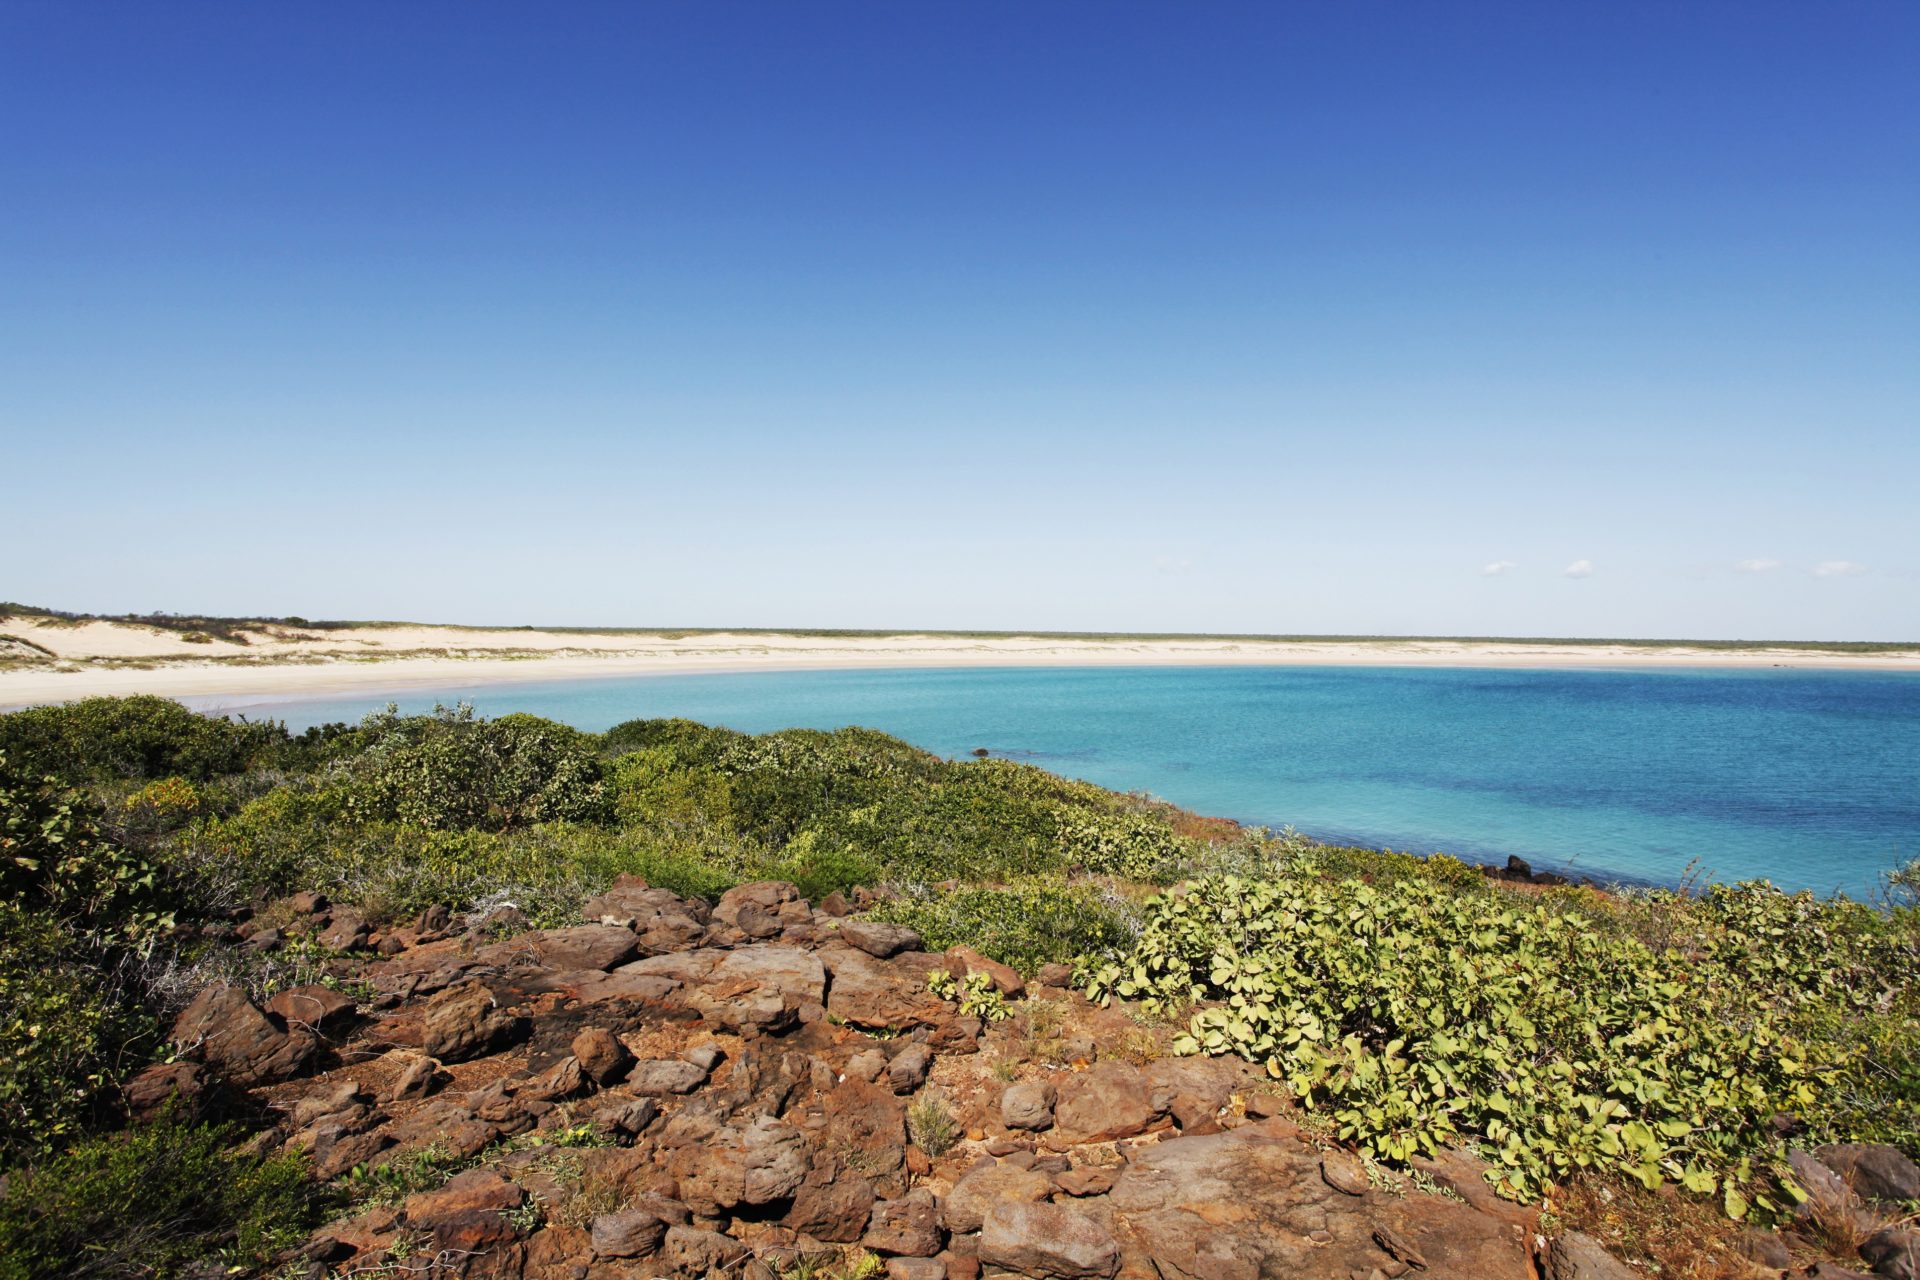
1808 779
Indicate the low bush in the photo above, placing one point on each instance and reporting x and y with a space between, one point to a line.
450 771
102 739
1024 925
1419 1019
156 1201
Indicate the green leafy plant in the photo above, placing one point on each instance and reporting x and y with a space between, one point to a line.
1418 1019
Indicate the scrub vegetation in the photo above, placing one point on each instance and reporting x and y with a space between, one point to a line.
1567 1033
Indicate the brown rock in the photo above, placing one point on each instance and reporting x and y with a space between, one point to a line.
702 1253
469 1212
1261 1106
583 946
832 1203
239 1041
465 1022
152 1088
1047 1240
1573 1256
965 1207
1055 975
659 1077
751 1162
916 1269
1006 980
1027 1105
630 1233
873 993
760 987
1104 1102
315 1007
880 939
1344 1173
600 1054
1874 1170
909 1225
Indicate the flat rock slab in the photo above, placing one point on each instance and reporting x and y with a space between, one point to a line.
1253 1203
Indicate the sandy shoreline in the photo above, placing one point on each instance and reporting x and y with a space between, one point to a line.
271 663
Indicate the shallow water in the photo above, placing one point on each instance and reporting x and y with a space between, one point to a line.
1811 779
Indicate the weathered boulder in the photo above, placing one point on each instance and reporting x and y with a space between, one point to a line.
1874 1171
630 1233
832 1203
916 1269
315 1007
416 1076
224 1029
908 1069
1047 1240
965 1207
581 946
656 1078
1027 1105
909 1225
464 1022
1893 1253
696 1252
749 1162
153 1087
761 987
1107 1101
1006 980
1344 1173
600 1054
469 1212
1251 1202
878 938
873 993
1829 1198
1573 1256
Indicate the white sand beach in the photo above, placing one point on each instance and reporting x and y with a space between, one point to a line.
49 660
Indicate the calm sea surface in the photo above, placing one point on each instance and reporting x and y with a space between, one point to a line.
1808 779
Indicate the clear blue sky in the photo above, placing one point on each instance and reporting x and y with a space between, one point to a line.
1443 318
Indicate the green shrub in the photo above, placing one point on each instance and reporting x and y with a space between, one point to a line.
67 1033
686 742
1418 1019
100 739
53 859
154 1201
1023 925
451 771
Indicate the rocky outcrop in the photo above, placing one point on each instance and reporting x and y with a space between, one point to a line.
665 1090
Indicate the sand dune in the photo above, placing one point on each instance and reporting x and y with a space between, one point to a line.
46 660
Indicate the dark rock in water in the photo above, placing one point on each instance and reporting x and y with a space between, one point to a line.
1874 1171
981 752
1519 868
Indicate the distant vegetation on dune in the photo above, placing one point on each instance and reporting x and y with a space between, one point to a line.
1667 1037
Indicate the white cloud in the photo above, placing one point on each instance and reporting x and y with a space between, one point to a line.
1837 569
1497 568
1171 564
1756 566
1578 569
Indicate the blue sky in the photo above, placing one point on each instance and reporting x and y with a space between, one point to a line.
1461 319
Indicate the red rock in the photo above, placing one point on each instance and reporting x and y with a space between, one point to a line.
601 1055
1006 980
966 1206
314 1007
1048 1240
236 1039
152 1088
465 1022
1104 1102
469 1212
909 1225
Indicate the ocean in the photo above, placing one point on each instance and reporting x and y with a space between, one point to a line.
1808 779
